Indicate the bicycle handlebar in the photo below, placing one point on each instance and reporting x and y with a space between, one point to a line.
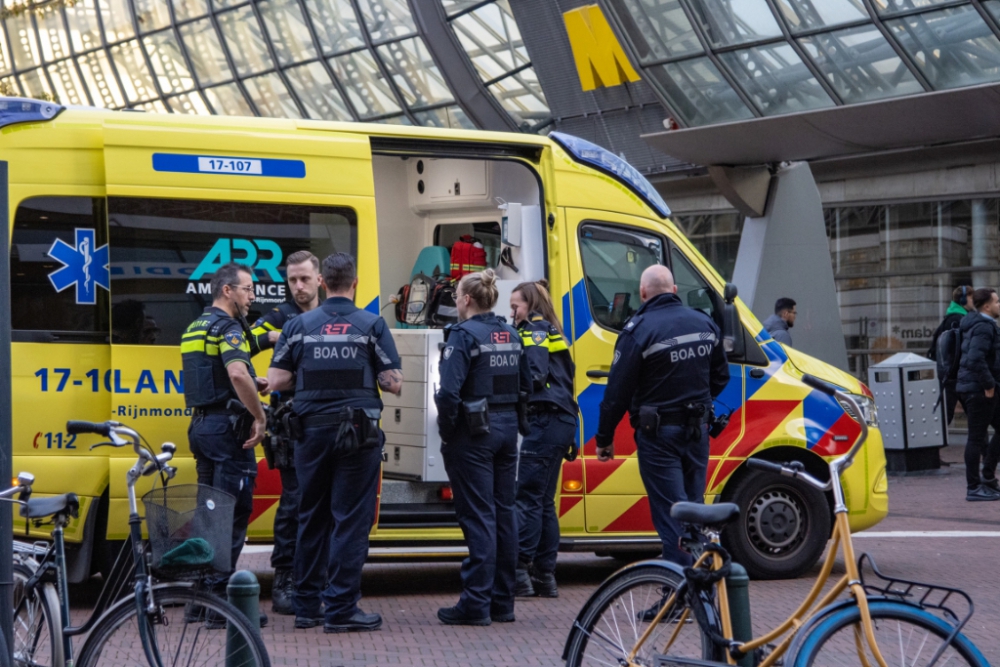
74 427
791 469
819 385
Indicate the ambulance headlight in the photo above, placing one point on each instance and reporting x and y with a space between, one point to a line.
868 410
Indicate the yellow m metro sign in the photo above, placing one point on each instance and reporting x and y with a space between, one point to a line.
600 59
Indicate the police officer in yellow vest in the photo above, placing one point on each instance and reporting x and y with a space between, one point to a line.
221 388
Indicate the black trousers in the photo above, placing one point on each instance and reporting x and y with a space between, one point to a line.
951 399
286 521
983 412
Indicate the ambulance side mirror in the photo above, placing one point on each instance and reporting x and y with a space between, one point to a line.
732 329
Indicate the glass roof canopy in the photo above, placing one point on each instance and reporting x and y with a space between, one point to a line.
362 60
716 61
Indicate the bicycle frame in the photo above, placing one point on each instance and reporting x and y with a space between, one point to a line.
851 580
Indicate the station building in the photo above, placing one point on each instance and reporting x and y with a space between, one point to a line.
840 152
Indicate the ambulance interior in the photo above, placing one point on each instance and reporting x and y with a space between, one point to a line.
424 205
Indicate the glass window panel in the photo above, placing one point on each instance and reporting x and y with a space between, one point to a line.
54 40
181 234
35 304
394 120
190 9
523 99
452 117
810 14
993 7
68 88
716 236
6 63
860 64
412 68
135 77
613 260
228 3
776 79
657 28
35 85
168 62
9 87
952 47
271 96
892 6
387 19
729 22
318 94
287 30
336 25
205 51
23 43
227 100
153 106
370 93
245 41
100 80
452 7
84 30
117 19
697 92
151 14
190 103
492 40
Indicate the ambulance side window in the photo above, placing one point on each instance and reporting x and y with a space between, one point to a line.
164 253
58 270
693 290
613 260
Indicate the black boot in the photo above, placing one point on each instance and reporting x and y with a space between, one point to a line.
283 593
522 585
544 584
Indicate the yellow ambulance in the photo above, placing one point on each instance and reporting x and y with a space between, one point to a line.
119 219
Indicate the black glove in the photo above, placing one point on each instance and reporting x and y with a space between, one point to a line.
572 452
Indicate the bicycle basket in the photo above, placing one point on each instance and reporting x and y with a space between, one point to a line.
190 530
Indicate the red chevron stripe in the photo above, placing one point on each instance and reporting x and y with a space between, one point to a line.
268 481
566 503
634 519
624 440
762 417
845 426
261 505
598 471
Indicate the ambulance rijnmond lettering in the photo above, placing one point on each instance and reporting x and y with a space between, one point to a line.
96 380
133 411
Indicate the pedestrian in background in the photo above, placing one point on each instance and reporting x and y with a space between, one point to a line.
336 357
552 433
778 325
978 375
483 376
669 364
959 306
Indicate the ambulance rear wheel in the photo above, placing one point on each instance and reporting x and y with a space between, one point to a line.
783 527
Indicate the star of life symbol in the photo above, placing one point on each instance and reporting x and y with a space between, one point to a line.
84 265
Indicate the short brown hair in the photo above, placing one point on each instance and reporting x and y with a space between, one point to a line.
482 287
982 296
339 272
961 293
301 257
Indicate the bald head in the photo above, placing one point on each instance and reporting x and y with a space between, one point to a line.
656 280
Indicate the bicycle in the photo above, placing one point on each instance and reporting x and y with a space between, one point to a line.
156 622
656 613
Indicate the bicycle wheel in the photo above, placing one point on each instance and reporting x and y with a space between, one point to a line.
905 635
613 622
191 628
37 626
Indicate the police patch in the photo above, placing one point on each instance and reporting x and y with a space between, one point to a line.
234 338
447 352
538 337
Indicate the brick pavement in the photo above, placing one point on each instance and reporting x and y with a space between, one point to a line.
408 594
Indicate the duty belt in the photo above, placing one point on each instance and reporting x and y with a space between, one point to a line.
543 407
217 409
319 421
678 418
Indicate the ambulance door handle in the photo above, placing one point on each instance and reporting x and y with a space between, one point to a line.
598 374
756 373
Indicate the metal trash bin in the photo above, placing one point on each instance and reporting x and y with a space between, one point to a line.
906 391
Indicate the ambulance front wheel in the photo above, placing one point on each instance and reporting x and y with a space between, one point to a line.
783 527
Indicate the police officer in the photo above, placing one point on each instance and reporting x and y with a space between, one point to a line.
336 357
304 280
552 430
221 388
483 376
668 365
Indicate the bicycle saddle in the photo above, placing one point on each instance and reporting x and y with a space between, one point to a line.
716 515
39 508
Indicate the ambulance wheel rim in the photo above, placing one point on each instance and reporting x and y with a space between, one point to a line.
775 522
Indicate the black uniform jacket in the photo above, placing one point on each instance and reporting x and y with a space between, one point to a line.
550 364
668 355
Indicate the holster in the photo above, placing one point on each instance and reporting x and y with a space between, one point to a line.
295 428
523 427
649 420
278 447
358 430
240 420
695 413
717 425
477 415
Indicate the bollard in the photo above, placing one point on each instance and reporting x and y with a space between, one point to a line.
738 588
244 594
